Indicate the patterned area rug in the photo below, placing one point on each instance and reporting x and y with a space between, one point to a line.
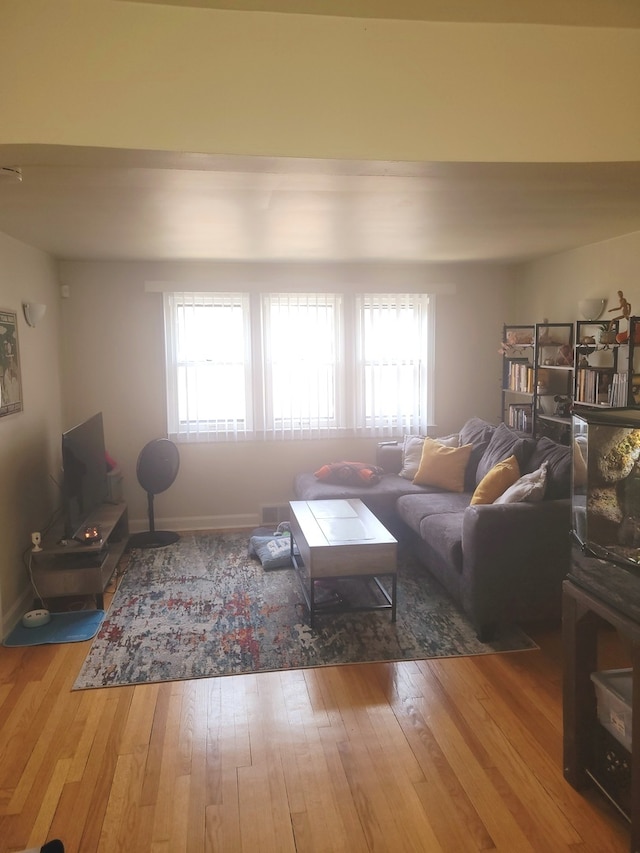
203 607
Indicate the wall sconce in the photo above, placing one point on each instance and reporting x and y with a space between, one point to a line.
10 174
591 309
33 312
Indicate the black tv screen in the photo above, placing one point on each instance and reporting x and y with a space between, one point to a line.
84 467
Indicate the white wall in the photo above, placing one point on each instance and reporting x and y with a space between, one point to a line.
552 287
113 361
29 440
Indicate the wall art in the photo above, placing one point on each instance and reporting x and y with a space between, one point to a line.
10 379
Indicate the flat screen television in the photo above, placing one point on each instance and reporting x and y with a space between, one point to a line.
84 473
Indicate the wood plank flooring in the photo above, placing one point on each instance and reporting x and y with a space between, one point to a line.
454 755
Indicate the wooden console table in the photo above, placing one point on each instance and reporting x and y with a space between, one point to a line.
68 567
596 590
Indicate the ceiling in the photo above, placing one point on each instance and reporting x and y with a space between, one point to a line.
107 204
579 13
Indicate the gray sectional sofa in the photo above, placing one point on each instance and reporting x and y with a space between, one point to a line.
501 562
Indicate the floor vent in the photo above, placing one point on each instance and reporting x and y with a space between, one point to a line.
275 514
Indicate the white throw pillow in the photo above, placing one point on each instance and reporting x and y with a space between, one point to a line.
411 455
450 440
530 487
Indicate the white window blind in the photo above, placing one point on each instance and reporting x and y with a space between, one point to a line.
296 365
302 357
392 358
209 362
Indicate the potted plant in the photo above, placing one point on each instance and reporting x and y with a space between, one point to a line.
607 333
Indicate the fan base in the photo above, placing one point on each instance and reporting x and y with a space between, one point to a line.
153 539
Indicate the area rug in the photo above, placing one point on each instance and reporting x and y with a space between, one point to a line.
72 627
203 607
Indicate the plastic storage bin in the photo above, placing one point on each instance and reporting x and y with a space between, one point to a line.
613 694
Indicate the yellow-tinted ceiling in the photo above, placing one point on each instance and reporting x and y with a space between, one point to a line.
579 13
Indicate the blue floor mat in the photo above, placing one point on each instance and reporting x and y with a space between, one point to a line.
63 628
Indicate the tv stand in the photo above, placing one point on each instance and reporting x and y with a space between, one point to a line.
67 567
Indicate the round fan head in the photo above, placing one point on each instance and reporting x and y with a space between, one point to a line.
158 465
157 468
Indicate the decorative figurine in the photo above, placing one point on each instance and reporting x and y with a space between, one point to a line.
624 306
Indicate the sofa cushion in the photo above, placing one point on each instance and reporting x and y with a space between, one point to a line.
478 433
381 498
443 532
505 442
475 431
530 487
412 509
442 466
559 472
496 481
389 456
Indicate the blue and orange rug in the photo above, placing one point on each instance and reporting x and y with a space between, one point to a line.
203 607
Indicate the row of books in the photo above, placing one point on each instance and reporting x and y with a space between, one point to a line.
619 390
520 377
602 388
521 417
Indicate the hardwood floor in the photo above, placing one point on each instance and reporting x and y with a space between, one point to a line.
452 755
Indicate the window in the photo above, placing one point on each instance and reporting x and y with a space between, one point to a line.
296 365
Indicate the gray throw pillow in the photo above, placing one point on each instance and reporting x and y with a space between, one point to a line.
477 432
559 458
274 552
505 442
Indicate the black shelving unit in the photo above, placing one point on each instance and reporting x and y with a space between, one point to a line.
518 376
554 384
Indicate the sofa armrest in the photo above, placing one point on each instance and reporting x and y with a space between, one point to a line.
389 456
515 557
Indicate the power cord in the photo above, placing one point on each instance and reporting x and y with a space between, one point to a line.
28 564
29 551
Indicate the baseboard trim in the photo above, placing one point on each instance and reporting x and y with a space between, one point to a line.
16 612
210 522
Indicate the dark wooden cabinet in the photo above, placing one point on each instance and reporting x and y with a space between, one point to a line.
67 567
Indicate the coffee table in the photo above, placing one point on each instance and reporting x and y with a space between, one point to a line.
342 539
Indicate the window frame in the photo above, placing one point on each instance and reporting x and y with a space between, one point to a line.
350 392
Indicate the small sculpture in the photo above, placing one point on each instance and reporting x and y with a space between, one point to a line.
624 306
564 356
563 406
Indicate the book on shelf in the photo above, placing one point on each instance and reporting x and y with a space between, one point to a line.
520 416
618 390
601 388
521 376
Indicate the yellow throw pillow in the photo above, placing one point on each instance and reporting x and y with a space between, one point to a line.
443 466
496 481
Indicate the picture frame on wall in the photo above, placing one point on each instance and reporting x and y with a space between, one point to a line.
10 375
